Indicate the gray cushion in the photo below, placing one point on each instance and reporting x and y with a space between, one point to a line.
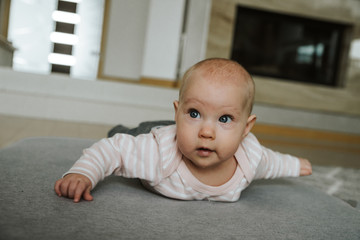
123 209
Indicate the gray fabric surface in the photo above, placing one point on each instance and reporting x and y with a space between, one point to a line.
123 209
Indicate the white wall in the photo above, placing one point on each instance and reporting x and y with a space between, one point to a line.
163 39
144 38
30 25
59 97
196 33
125 38
62 98
89 30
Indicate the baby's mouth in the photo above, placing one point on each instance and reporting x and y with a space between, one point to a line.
204 152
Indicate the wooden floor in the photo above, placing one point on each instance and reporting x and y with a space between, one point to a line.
15 128
321 148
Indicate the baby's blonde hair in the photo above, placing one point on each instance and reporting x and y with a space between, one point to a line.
223 70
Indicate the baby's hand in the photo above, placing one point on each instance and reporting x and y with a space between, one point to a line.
305 167
74 186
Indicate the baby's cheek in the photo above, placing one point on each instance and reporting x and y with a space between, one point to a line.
185 151
228 150
183 142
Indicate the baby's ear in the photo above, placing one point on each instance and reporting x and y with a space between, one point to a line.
176 106
249 124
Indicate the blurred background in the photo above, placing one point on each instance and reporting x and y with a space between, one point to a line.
77 68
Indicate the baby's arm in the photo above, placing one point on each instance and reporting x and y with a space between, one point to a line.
274 165
305 167
121 155
74 186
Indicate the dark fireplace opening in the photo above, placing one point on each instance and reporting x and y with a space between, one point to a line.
290 47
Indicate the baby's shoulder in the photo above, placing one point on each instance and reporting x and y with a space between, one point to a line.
162 131
249 156
250 141
170 155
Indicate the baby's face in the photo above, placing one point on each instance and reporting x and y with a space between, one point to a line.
211 121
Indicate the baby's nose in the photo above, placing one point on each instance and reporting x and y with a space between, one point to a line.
207 131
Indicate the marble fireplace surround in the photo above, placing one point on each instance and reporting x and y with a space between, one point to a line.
286 93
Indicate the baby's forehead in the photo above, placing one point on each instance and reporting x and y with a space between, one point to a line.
219 76
228 85
218 71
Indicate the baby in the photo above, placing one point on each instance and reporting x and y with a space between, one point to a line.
209 154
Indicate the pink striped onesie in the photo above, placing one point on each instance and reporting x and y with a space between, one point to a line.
155 159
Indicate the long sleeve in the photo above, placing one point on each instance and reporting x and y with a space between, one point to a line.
123 155
261 162
274 165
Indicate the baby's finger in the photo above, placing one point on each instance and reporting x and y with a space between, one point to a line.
64 188
87 195
309 169
72 189
57 187
80 189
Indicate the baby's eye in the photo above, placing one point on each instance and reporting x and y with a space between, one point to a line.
194 114
225 119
